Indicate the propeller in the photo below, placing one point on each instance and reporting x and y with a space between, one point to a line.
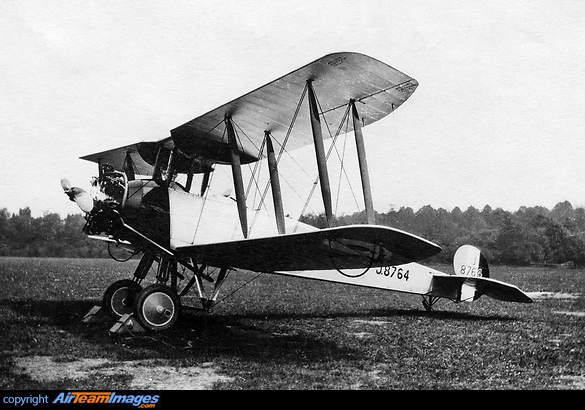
78 195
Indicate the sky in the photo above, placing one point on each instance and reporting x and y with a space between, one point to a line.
498 118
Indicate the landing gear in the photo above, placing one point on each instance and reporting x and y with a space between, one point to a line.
157 307
429 301
119 297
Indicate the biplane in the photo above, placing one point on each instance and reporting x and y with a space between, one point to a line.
153 198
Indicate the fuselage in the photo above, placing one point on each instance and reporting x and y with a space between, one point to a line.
172 217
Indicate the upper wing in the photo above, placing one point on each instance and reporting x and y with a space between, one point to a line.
141 157
347 247
336 78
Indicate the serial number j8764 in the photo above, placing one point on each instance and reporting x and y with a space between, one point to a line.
393 272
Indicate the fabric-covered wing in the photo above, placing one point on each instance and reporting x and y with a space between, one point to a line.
348 247
140 157
377 88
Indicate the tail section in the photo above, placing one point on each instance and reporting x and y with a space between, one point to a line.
471 280
469 261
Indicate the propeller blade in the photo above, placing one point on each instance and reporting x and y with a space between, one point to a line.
78 195
84 200
65 184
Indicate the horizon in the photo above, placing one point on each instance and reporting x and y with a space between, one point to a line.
392 209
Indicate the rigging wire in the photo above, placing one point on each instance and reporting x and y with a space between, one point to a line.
254 173
331 147
254 179
248 138
342 169
282 150
207 190
236 290
342 157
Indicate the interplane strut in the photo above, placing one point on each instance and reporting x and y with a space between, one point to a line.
275 184
237 175
320 154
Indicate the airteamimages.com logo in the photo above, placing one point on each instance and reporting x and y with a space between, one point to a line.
143 401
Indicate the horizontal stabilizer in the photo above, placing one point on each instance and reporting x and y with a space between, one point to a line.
454 286
347 247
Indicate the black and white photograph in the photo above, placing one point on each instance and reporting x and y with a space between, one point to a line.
289 195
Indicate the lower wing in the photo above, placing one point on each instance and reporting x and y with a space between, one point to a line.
347 247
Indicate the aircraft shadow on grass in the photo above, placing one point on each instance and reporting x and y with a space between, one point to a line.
201 334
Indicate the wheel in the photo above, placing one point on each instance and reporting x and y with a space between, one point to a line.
119 297
157 307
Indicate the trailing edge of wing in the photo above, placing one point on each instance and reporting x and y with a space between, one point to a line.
348 247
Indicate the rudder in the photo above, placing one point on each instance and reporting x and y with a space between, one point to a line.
469 261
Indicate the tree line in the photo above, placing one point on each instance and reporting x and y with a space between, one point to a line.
530 235
21 234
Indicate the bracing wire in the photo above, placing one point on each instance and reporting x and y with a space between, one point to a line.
331 147
235 290
287 181
282 149
342 169
255 174
290 128
207 190
256 171
248 138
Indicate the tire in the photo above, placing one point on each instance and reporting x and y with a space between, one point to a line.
119 297
157 307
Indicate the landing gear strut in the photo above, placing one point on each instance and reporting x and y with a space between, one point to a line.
429 301
157 307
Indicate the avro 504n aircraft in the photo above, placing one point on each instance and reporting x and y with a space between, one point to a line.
137 202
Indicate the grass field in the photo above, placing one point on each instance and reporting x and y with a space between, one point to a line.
289 333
